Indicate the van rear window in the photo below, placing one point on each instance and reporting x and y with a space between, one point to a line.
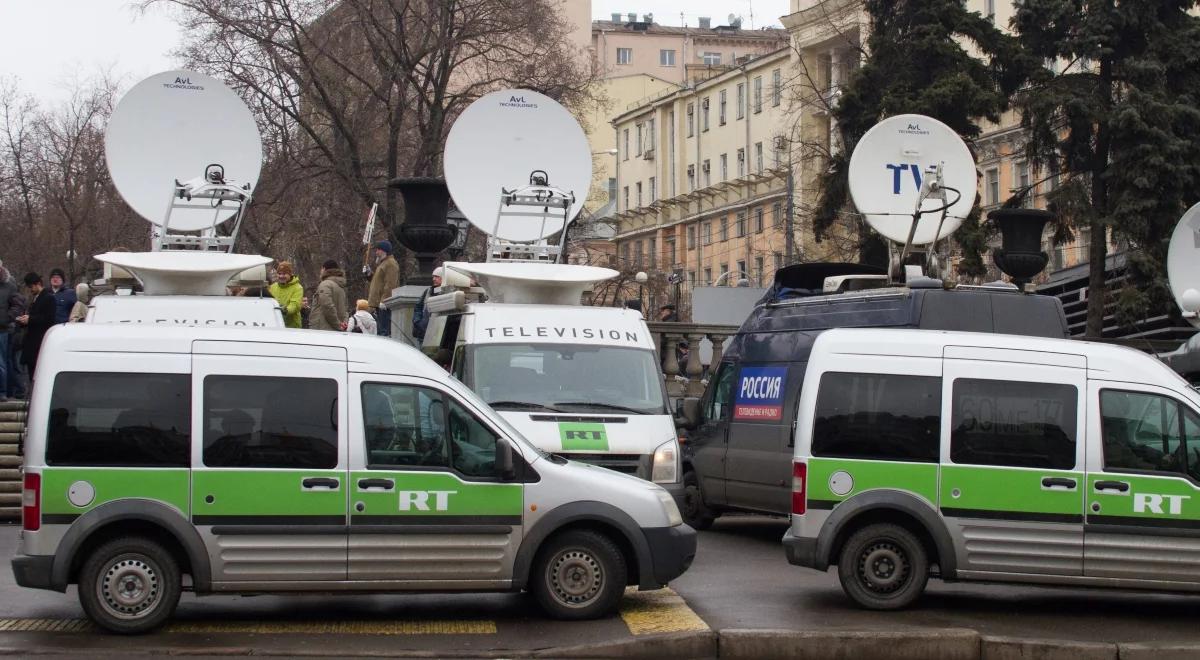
119 419
878 417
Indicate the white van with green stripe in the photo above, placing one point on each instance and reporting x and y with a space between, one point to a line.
252 461
993 458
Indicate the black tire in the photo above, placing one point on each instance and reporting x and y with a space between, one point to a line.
129 585
695 512
883 567
579 574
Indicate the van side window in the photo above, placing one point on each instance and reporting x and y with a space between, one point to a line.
405 426
1013 423
472 444
878 416
720 405
120 419
270 422
1145 432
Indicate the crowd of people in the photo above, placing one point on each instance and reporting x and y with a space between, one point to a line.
29 308
329 307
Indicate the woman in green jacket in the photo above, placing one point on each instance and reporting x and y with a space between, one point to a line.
288 293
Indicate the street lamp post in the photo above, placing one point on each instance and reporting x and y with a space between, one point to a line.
462 230
641 279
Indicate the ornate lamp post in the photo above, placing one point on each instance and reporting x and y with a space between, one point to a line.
425 230
462 229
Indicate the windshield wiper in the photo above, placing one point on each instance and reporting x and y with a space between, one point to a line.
522 405
604 406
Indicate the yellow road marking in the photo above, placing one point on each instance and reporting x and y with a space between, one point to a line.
393 627
661 611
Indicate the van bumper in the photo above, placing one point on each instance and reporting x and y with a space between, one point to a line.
802 551
672 550
34 571
677 492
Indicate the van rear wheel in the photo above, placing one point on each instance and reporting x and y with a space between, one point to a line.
695 512
129 585
579 574
883 567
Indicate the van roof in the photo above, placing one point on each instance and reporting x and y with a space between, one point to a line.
1104 361
65 343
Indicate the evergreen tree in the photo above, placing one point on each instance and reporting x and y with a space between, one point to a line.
918 62
1121 123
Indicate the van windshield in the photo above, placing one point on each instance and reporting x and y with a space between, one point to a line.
568 378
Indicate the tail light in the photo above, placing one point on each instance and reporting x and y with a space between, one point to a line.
31 503
799 496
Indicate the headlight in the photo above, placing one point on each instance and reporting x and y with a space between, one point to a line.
666 463
668 502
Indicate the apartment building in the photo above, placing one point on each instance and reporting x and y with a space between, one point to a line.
702 178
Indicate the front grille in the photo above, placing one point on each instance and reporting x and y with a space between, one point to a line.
627 463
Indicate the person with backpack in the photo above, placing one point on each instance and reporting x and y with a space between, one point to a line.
361 321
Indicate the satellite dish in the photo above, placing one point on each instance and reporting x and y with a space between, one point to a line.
498 142
171 127
534 283
183 272
1183 265
890 163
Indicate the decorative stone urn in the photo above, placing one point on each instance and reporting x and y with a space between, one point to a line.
425 230
1020 255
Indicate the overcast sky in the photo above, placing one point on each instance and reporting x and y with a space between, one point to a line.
48 44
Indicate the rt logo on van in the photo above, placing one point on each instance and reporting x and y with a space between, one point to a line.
425 500
1151 503
581 436
759 395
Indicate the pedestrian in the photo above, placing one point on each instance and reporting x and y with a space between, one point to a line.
420 322
37 321
666 314
288 293
385 278
361 321
10 309
83 295
329 302
64 296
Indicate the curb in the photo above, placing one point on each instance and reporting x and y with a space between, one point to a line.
949 644
1015 648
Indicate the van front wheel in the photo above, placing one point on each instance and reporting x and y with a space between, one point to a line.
129 585
883 567
695 512
580 574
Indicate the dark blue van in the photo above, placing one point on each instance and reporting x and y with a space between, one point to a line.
739 452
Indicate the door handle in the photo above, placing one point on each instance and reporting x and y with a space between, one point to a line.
1119 486
376 484
319 482
1064 482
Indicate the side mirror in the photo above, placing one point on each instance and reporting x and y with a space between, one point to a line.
504 459
689 411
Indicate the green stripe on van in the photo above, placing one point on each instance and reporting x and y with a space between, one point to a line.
920 479
167 485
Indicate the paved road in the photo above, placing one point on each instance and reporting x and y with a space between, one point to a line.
742 580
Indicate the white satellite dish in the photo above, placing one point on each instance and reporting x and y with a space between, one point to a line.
887 170
534 283
183 272
169 128
497 143
1183 265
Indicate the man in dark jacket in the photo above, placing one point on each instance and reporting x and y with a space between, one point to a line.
64 296
37 321
10 309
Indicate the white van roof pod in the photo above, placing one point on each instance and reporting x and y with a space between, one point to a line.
534 283
183 272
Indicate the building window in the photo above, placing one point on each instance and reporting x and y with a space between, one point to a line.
691 177
691 119
692 278
650 136
741 272
638 186
691 237
724 167
741 158
671 251
724 229
624 56
757 94
741 100
666 58
625 192
1021 181
776 87
758 271
740 227
777 214
625 252
625 136
639 138
724 274
758 157
653 252
638 255
706 233
612 189
758 219
722 104
704 114
711 59
993 186
653 190
708 280
707 173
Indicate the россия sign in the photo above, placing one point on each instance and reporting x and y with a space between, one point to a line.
759 395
